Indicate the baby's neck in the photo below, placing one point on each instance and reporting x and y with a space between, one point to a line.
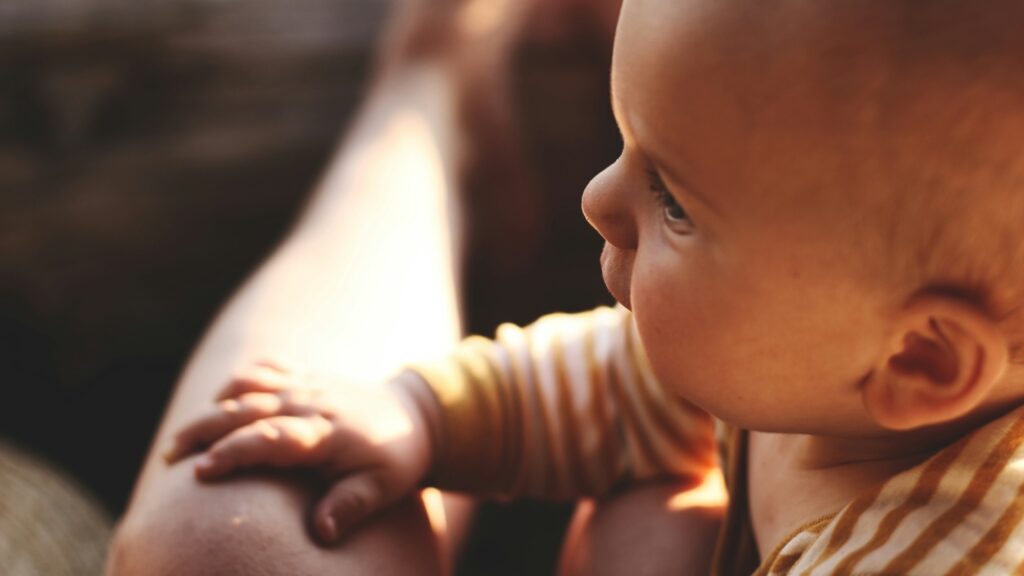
810 454
794 479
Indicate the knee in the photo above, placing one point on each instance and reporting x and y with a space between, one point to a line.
170 548
199 530
257 526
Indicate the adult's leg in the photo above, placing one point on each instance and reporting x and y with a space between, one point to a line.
364 283
657 529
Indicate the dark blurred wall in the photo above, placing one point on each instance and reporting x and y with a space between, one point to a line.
151 152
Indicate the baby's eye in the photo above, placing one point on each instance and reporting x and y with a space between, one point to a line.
672 210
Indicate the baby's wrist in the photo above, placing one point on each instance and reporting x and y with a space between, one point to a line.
425 412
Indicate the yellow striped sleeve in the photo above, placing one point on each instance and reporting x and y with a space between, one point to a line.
563 408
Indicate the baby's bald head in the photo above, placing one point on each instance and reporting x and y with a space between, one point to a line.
940 98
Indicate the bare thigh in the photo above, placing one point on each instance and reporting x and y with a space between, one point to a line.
350 294
254 526
647 530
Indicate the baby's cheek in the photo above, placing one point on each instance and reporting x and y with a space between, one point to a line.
671 331
689 335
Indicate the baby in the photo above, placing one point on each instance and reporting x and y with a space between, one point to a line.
814 231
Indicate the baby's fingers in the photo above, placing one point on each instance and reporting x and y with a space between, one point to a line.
225 417
261 377
348 504
281 441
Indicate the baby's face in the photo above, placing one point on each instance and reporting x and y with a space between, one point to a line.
733 230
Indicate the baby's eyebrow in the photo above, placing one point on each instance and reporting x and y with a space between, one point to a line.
667 173
664 168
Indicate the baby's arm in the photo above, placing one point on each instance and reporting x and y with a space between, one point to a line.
564 408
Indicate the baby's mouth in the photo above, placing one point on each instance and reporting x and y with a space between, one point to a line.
616 275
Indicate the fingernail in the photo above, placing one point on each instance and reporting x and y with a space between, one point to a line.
330 529
204 463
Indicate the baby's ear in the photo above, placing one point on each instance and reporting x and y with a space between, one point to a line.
945 356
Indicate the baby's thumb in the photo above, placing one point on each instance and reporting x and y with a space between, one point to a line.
347 504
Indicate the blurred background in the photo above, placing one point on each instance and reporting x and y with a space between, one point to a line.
152 152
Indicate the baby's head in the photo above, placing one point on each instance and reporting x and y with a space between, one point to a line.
818 214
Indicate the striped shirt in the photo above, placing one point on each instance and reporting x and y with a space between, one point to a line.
568 407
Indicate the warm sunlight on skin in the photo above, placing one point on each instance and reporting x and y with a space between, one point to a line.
710 493
434 504
384 424
409 219
481 17
407 174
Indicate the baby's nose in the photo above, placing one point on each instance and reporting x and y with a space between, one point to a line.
605 205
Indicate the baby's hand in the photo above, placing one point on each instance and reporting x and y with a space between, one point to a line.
374 441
